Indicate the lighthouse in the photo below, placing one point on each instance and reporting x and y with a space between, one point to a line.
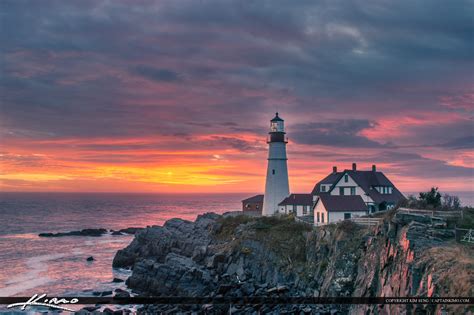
277 187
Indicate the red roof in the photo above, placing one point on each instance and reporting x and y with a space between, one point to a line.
337 203
256 198
298 199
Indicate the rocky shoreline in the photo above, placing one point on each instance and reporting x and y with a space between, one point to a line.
93 232
216 256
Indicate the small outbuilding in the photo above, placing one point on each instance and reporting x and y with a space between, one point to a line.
299 204
254 203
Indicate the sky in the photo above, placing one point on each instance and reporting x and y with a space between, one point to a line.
176 96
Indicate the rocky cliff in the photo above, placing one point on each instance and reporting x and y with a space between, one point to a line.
217 256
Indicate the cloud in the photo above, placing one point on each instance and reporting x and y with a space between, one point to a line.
154 74
354 76
336 133
460 143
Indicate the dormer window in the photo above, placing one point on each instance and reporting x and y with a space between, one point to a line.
346 178
323 188
384 190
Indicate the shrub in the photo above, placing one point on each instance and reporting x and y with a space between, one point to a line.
432 200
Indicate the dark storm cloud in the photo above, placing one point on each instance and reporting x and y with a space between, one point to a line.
337 133
460 143
415 165
156 74
138 69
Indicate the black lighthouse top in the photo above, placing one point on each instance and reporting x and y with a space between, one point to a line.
277 130
277 118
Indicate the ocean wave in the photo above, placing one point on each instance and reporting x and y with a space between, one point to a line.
32 278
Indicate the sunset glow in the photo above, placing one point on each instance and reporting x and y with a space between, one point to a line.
102 97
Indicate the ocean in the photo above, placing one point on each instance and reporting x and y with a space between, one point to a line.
58 266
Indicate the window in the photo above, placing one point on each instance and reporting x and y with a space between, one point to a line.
274 126
346 178
305 210
347 216
390 190
273 172
341 191
257 207
317 215
353 190
323 188
322 217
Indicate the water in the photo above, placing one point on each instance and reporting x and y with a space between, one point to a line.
58 266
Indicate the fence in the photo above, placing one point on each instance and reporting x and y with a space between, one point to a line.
306 219
434 213
366 221
463 235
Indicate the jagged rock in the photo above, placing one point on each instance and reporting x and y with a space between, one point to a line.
84 232
90 258
117 280
90 308
130 230
121 293
179 236
206 258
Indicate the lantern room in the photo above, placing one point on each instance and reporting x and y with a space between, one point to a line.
276 124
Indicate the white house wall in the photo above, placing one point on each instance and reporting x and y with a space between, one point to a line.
347 190
339 216
319 208
299 211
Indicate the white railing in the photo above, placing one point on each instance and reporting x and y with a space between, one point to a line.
298 219
433 213
366 221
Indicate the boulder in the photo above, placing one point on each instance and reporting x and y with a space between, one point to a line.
90 308
121 293
84 232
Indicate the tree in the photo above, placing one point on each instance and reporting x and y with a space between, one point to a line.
431 199
450 202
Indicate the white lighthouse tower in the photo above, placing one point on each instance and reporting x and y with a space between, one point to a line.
276 185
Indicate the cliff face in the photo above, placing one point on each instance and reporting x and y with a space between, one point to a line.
239 256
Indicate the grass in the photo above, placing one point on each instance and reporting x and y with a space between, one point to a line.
467 221
282 234
229 224
452 268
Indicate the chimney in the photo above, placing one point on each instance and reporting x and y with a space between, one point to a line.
334 169
374 168
354 167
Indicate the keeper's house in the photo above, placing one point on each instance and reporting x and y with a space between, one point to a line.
351 193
